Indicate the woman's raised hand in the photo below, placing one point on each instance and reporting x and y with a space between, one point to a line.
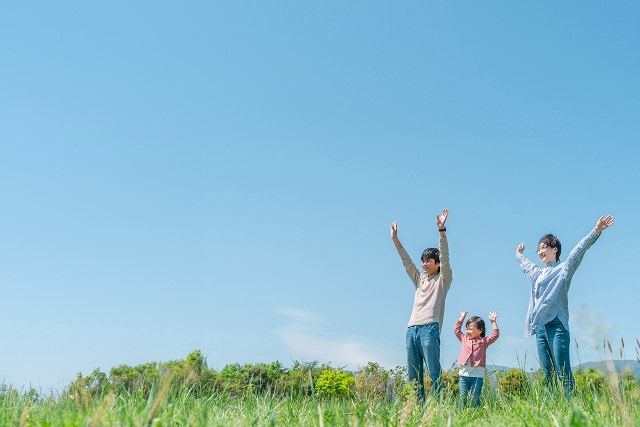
603 222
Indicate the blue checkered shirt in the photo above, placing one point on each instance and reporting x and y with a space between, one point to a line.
550 285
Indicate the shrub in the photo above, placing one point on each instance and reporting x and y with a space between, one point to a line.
513 382
188 373
590 380
260 378
629 383
84 389
231 379
263 377
134 378
374 382
451 382
299 380
334 383
209 383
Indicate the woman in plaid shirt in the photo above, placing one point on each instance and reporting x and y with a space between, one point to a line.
548 313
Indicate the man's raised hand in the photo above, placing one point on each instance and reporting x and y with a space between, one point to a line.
441 218
394 230
604 222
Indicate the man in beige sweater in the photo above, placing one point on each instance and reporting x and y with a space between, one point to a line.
423 332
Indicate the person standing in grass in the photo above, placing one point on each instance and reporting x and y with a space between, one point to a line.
423 332
548 313
473 354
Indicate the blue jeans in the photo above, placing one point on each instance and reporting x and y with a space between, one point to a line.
423 344
553 343
473 385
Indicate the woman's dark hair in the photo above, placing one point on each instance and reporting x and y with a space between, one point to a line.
431 253
551 241
478 323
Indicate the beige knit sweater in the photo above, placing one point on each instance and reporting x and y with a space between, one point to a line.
429 298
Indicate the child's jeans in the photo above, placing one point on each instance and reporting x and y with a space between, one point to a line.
471 385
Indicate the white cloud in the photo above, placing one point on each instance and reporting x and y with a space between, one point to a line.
299 315
305 343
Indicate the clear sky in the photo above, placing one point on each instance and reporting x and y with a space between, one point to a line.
222 176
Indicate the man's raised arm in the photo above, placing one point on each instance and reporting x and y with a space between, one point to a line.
445 265
409 266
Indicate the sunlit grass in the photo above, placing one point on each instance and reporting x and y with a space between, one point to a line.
165 406
186 392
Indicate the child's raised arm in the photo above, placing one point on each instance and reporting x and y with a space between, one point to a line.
458 326
495 331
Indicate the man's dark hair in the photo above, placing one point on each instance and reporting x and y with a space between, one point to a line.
478 322
431 253
551 241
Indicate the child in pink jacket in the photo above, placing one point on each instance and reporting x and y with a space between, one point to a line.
473 354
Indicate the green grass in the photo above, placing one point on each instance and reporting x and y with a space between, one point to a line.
168 405
187 392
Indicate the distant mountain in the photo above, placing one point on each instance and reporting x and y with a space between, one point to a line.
618 365
602 366
497 368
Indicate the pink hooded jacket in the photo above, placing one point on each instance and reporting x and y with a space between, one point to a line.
474 350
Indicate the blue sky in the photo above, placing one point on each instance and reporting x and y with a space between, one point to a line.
222 176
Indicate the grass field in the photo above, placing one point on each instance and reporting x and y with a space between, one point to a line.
186 392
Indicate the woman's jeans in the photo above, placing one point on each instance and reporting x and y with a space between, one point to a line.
553 343
423 344
471 385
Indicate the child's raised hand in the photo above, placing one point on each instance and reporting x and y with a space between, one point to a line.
463 314
493 316
520 248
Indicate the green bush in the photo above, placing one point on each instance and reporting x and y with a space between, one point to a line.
588 381
263 378
629 383
334 383
513 382
260 378
231 379
132 379
374 382
190 374
84 389
451 382
298 381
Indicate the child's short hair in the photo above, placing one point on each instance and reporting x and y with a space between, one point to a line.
477 322
551 241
